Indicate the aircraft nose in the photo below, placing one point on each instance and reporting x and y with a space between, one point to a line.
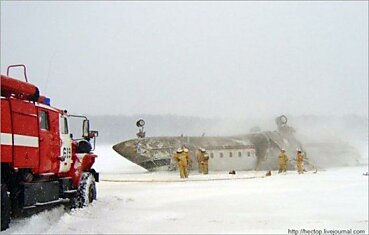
127 149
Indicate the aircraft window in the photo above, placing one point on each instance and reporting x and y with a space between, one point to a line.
220 154
212 155
248 154
230 154
239 154
44 120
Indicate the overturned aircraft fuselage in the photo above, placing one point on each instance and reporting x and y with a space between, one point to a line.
254 151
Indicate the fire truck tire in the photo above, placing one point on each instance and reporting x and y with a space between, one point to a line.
86 190
5 208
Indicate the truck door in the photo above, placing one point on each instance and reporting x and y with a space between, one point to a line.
49 140
65 145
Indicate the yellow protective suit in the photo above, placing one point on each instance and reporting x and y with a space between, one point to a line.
182 160
199 157
189 162
300 163
205 164
283 161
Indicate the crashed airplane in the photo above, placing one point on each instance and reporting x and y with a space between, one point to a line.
254 151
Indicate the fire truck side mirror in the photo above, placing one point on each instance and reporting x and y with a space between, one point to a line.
86 128
93 134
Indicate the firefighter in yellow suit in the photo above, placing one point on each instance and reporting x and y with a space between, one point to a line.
199 156
283 161
182 159
189 162
300 162
205 164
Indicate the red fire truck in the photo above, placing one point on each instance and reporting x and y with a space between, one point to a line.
41 163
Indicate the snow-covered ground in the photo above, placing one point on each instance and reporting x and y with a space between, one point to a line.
131 200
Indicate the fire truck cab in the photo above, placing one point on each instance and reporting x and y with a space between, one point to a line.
41 163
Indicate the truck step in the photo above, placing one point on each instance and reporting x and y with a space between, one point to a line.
39 204
70 191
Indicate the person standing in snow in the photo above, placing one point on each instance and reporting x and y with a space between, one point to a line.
182 160
283 161
300 161
199 156
205 163
189 163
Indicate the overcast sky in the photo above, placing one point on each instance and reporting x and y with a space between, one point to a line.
209 59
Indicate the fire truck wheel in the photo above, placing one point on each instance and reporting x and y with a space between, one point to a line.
5 208
86 190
